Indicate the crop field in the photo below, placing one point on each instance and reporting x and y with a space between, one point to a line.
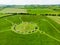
30 29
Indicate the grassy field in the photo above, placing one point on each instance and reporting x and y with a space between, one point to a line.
42 11
47 34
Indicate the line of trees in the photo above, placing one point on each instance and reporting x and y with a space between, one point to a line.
34 14
50 14
20 14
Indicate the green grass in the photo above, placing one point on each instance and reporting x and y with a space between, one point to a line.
48 34
42 11
37 11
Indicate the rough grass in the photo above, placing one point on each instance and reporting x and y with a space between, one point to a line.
13 10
